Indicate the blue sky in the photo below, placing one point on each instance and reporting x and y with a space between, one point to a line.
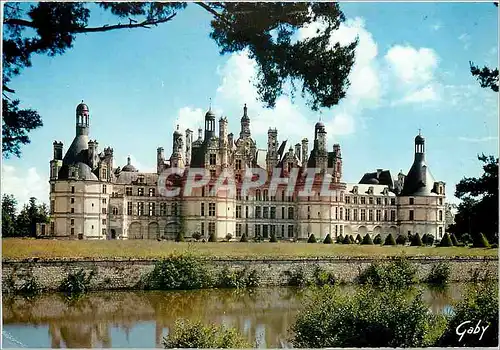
411 72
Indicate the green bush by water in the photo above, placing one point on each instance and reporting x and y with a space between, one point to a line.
440 273
396 274
77 283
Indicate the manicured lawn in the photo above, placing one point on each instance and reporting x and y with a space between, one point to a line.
15 248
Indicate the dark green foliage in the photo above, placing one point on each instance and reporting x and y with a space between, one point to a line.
488 78
454 240
396 274
241 278
351 238
494 246
480 304
23 224
311 239
229 236
319 69
321 277
366 318
367 240
77 283
244 238
328 239
340 239
358 239
347 240
273 238
440 273
196 235
296 277
389 240
179 273
478 210
401 240
30 287
211 237
416 241
179 237
428 239
446 241
377 239
9 205
480 241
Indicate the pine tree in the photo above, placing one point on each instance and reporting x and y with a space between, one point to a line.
328 239
389 240
340 239
446 241
347 240
416 241
367 240
377 239
311 239
358 238
480 241
244 237
273 238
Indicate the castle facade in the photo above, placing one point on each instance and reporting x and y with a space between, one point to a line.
91 198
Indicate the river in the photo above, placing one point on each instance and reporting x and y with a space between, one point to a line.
141 319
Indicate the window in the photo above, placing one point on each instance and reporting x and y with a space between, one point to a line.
174 209
385 215
211 209
238 164
440 201
257 230
52 187
378 215
238 194
379 201
266 195
72 189
152 192
440 232
72 200
393 215
282 230
348 214
290 231
104 210
202 209
103 188
257 212
393 201
72 231
412 201
103 173
140 208
363 215
237 177
363 200
72 222
72 210
213 159
152 209
355 214
211 228
272 229
386 201
104 201
203 191
52 206
140 191
341 229
411 215
336 213
273 198
213 173
257 195
283 212
246 229
265 212
440 215
129 208
370 215
273 212
202 229
104 221
282 196
238 230
246 212
370 200
104 232
128 191
290 213
347 199
341 213
238 211
115 211
163 209
289 198
140 179
52 227
355 200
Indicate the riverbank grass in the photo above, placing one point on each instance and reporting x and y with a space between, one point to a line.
16 248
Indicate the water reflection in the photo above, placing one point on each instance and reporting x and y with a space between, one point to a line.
141 319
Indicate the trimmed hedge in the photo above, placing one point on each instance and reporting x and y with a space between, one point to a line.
340 239
311 239
401 240
244 238
359 239
273 238
367 239
446 241
479 241
377 239
328 239
416 241
389 240
454 240
347 240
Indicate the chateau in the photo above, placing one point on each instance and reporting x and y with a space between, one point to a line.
91 198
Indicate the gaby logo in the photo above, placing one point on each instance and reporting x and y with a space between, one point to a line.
462 329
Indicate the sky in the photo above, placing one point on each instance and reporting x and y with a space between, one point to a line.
411 72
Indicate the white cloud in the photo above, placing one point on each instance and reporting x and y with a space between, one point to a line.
142 167
465 39
412 66
437 26
425 94
478 139
189 117
25 184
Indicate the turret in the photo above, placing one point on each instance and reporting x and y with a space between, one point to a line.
223 141
189 142
305 151
160 159
56 163
297 151
230 140
245 123
58 150
82 119
209 125
337 154
177 143
272 149
93 154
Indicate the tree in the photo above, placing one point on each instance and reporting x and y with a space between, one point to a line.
454 240
179 237
358 238
478 211
9 207
377 239
479 241
311 239
264 30
446 241
401 239
273 238
196 235
244 238
389 240
367 240
347 240
416 241
31 214
328 239
340 239
229 236
211 237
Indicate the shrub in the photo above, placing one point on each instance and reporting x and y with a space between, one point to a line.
181 272
358 238
454 240
229 236
427 239
244 238
416 241
347 240
401 240
340 239
351 238
494 245
311 239
377 239
196 235
367 239
297 277
389 240
187 334
179 237
480 304
479 241
396 274
334 319
466 238
322 277
446 241
440 273
30 287
77 283
273 238
211 237
328 239
237 278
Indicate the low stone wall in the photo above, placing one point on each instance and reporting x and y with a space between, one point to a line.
128 274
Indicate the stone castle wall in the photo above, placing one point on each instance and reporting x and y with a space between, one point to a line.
130 274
